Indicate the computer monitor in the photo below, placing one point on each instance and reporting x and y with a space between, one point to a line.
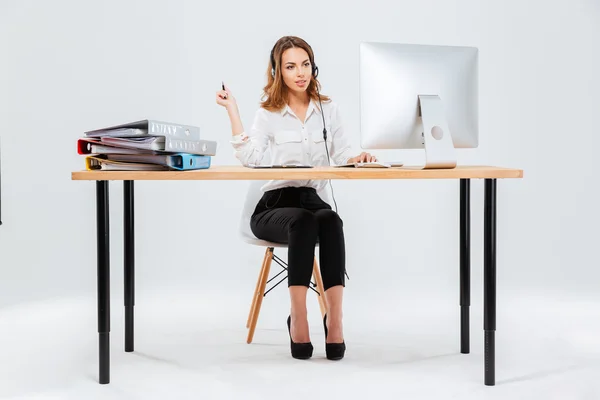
419 97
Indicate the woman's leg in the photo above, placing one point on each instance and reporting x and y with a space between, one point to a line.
298 228
335 327
333 266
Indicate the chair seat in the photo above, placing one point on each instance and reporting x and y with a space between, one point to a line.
251 239
263 243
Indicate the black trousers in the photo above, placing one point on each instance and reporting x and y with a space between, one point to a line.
299 218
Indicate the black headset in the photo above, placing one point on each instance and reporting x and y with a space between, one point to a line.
315 73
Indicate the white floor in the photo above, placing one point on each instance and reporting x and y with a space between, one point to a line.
192 345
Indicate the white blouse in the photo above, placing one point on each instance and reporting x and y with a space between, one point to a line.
292 141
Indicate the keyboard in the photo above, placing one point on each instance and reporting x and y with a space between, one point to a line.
280 166
374 164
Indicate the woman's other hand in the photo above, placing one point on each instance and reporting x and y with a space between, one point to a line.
363 157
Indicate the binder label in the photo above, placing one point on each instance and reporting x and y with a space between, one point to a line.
164 129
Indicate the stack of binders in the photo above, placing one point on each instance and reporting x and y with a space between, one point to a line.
146 145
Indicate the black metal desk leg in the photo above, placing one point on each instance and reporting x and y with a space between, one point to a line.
465 263
129 262
489 279
103 254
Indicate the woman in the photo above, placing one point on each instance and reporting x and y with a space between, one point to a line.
291 123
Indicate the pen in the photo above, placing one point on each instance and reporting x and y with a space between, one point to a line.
223 86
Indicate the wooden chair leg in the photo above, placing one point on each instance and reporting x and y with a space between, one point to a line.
262 268
261 292
319 281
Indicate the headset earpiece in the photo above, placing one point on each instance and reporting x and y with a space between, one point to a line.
273 62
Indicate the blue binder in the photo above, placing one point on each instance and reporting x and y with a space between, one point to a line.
177 161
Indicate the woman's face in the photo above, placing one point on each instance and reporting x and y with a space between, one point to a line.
296 69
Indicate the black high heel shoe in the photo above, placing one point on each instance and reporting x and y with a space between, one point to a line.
334 351
301 351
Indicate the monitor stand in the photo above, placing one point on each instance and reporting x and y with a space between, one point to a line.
439 148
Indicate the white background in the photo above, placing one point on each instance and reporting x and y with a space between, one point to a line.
68 66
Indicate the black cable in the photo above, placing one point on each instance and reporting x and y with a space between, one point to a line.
328 160
326 148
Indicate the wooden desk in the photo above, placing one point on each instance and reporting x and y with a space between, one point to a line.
463 173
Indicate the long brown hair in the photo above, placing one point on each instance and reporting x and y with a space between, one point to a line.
275 91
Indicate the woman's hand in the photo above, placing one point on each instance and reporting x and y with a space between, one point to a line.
362 157
226 99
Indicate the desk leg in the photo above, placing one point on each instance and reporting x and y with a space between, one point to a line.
103 258
465 263
489 278
129 261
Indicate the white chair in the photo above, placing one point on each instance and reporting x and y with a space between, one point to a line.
253 196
